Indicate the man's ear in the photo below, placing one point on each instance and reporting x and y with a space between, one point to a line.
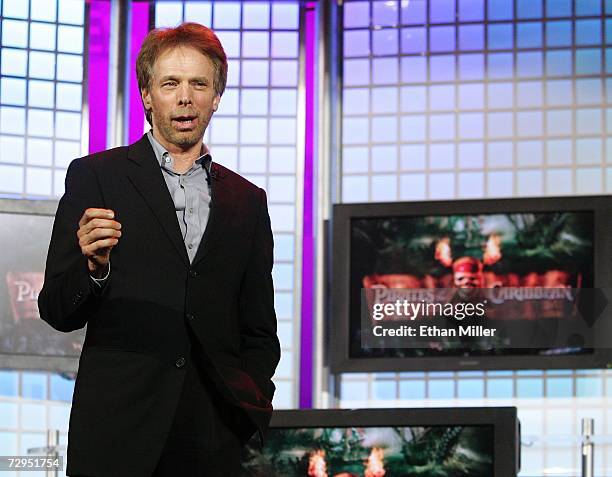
146 98
216 102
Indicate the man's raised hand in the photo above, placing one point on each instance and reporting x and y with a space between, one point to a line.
98 233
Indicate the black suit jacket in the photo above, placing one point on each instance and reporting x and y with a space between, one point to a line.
132 368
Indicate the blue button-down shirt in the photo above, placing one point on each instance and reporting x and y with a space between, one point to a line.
190 193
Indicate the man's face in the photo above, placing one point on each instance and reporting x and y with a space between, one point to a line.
182 98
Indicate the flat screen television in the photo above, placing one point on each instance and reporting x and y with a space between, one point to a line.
560 243
475 442
26 341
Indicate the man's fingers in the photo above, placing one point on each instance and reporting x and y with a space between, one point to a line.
93 213
92 249
97 234
97 223
103 224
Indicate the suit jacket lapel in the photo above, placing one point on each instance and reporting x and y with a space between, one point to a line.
150 183
220 195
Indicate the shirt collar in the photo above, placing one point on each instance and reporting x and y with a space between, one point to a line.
161 154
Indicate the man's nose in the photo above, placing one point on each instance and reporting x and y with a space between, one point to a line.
184 95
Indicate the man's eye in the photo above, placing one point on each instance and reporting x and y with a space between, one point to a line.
170 83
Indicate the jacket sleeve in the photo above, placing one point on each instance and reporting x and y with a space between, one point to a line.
67 297
260 348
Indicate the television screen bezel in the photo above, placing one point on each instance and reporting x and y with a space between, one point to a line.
33 362
506 426
338 356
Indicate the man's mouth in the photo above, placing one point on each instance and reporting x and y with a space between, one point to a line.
184 122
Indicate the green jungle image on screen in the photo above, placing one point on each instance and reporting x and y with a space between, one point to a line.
433 451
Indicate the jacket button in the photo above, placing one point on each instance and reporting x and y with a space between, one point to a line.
190 316
193 273
180 362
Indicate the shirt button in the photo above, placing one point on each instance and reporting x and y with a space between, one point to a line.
190 210
190 246
180 362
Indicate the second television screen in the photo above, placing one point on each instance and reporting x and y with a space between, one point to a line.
514 250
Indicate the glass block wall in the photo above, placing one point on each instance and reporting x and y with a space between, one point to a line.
448 99
41 94
42 55
31 403
476 98
255 133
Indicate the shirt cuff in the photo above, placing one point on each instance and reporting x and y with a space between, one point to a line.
101 281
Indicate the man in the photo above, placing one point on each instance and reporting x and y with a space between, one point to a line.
167 258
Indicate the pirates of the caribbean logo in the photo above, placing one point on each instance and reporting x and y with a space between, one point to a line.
23 289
